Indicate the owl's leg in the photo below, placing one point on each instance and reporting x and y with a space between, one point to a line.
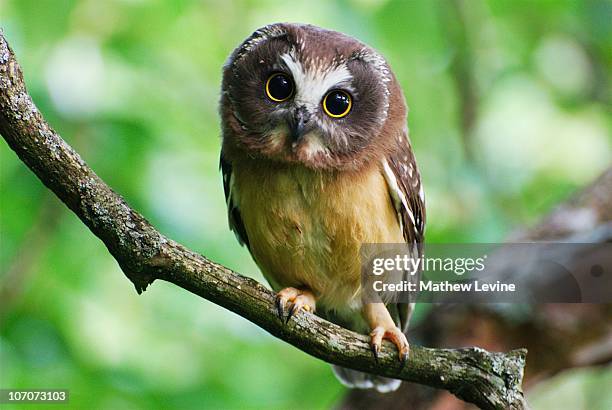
383 327
296 300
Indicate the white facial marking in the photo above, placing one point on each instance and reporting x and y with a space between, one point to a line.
276 137
311 84
311 146
314 145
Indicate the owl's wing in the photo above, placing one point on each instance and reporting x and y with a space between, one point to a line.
406 192
233 213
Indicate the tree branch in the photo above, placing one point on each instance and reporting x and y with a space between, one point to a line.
490 380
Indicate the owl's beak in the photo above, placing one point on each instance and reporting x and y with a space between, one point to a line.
298 125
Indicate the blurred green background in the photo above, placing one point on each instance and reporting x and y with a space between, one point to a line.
509 113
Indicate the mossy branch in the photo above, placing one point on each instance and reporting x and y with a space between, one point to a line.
489 380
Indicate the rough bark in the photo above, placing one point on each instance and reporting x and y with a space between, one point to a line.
490 380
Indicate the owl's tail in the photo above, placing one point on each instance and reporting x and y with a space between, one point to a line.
355 379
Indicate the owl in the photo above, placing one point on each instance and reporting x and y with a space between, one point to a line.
316 161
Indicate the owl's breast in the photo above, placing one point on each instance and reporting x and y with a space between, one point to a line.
305 227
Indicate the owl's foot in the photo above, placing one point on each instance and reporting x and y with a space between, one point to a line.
295 300
393 334
383 327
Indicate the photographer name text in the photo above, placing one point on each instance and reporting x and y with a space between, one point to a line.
443 286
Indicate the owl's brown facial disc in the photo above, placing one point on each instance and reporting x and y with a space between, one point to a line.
298 93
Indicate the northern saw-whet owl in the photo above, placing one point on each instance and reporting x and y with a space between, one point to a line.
316 161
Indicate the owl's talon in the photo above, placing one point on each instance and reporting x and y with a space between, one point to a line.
280 307
375 350
299 299
394 335
291 312
404 357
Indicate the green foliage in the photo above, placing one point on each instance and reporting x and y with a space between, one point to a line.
133 85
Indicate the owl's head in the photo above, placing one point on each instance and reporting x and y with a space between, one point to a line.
301 94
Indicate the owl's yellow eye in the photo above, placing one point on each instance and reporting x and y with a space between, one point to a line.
279 87
337 103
